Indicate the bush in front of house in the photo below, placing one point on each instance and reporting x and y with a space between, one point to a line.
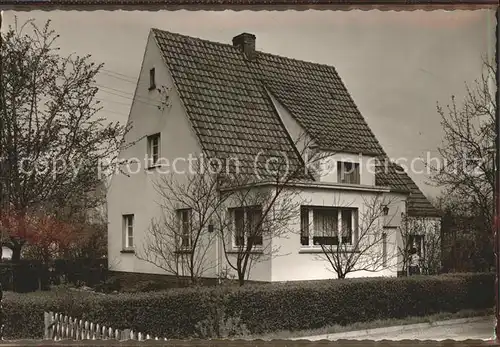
319 304
191 312
24 276
24 312
87 271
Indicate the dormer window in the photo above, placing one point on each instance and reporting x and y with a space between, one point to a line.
153 149
348 172
152 82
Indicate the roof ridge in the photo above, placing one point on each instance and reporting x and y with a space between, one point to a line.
258 51
298 60
192 37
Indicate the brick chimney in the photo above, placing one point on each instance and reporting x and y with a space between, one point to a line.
246 43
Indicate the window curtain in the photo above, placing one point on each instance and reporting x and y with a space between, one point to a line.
326 227
325 222
348 172
254 216
346 231
239 223
186 228
304 226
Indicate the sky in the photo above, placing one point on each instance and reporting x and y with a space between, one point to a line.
396 65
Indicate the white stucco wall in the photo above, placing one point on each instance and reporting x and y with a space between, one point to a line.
297 262
136 194
285 259
259 268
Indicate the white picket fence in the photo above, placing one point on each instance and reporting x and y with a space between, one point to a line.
62 327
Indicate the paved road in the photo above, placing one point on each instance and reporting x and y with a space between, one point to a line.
482 330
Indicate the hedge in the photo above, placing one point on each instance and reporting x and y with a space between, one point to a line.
179 313
24 276
88 271
31 275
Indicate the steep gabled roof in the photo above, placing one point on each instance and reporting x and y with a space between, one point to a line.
227 104
388 174
226 99
418 204
394 175
315 95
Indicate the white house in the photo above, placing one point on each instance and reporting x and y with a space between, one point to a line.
195 97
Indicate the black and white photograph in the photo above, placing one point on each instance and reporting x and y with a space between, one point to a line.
289 175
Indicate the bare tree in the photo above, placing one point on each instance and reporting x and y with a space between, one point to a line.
249 232
369 249
265 201
468 173
246 207
463 247
51 139
180 240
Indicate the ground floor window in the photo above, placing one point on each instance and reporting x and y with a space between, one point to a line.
327 226
247 225
128 231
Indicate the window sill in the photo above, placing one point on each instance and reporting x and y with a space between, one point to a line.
152 167
355 184
184 251
127 251
318 249
304 250
253 251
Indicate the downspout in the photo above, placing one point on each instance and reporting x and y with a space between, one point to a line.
407 233
217 251
217 262
497 187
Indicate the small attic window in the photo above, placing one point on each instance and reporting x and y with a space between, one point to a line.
152 82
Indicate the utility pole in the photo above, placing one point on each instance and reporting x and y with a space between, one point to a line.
4 157
496 225
2 192
3 177
4 200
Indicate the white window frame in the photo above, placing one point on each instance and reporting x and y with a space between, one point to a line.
341 172
232 213
128 231
181 224
151 146
311 225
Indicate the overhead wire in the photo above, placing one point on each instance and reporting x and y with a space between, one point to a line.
130 96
